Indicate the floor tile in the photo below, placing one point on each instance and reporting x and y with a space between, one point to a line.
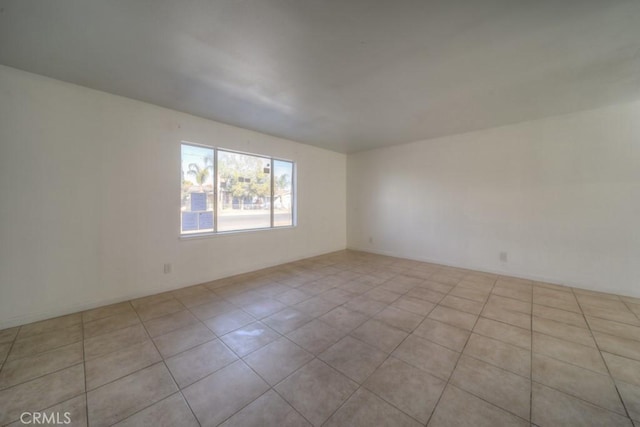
523 294
504 332
514 318
379 335
462 304
425 295
337 295
20 370
110 324
107 311
315 306
112 341
8 335
509 304
287 320
620 346
230 321
575 319
246 298
41 393
365 305
35 344
556 299
151 311
449 336
213 401
273 289
428 356
468 293
576 354
120 363
383 295
316 391
453 317
553 408
249 338
4 351
212 309
293 296
316 336
576 381
410 389
631 397
365 409
363 317
170 322
400 319
353 358
459 408
263 308
622 315
191 365
344 319
363 285
116 401
151 299
504 389
621 330
497 353
444 278
414 305
170 412
197 298
50 325
268 410
563 331
179 340
612 303
277 360
622 368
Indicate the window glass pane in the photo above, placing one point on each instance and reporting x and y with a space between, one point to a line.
282 193
244 191
196 209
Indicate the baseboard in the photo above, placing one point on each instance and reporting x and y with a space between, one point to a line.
89 305
537 278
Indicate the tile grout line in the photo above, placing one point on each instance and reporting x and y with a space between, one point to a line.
240 359
84 371
531 362
165 366
361 385
615 385
462 350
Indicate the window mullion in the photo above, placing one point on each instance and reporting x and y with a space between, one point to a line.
216 190
272 171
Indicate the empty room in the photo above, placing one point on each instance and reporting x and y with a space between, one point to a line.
319 213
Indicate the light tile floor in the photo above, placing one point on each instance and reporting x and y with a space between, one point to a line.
344 339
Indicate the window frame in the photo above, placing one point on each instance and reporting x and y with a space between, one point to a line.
272 226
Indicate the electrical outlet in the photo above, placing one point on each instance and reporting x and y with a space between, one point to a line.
503 256
370 240
167 268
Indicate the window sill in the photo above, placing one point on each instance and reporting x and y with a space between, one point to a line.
227 233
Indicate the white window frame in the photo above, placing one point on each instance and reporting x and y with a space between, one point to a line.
272 226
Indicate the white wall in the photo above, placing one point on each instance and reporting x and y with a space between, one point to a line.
89 200
561 196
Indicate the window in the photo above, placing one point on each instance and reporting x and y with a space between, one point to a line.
226 191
